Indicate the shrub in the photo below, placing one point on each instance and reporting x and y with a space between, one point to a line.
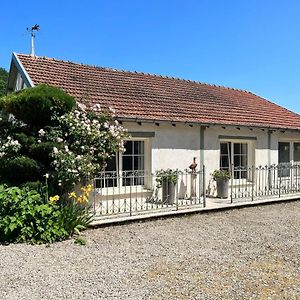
26 217
42 151
34 185
35 106
74 217
19 170
84 141
25 140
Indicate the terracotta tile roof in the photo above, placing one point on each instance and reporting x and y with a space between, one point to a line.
149 97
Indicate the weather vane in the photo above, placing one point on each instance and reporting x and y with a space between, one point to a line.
32 31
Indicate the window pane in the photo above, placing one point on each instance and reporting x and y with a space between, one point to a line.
138 147
237 161
225 156
128 148
109 177
237 148
224 148
224 162
244 160
139 163
133 163
297 152
243 175
244 148
283 152
127 163
111 164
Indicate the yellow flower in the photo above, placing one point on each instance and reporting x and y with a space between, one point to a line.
72 195
53 199
85 198
79 199
82 199
86 189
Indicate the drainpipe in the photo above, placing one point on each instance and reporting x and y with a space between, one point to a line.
201 162
269 159
269 147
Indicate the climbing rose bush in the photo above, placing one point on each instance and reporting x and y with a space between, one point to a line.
8 146
84 141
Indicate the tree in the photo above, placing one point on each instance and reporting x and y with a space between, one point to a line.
3 81
42 131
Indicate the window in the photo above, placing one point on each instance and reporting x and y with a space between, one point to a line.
297 152
283 153
125 169
19 83
236 154
288 153
133 163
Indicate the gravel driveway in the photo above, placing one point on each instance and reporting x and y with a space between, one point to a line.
250 253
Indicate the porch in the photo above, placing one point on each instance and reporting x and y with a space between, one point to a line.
134 195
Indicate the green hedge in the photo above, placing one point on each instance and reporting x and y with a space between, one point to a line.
19 170
35 106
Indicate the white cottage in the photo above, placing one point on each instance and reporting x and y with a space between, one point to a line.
172 120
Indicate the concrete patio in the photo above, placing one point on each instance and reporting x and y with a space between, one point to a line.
211 205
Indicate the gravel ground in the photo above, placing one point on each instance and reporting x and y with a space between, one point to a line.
250 253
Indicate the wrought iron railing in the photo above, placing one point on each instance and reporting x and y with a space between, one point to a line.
135 192
265 181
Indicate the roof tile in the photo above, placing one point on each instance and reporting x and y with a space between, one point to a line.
155 97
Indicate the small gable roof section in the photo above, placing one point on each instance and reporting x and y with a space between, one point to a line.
142 96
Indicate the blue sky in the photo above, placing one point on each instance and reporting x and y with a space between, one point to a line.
246 44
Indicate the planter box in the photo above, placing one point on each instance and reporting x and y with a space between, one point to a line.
168 192
222 188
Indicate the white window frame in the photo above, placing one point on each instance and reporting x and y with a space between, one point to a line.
291 142
250 156
119 166
292 161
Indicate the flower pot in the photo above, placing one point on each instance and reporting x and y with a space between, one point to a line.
168 192
222 187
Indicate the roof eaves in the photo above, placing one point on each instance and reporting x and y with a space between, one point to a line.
22 70
271 128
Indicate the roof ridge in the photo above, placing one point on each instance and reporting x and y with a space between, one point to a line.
138 72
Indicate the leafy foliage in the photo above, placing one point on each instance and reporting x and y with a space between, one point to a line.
43 137
35 106
80 241
169 175
74 217
84 142
3 81
27 216
221 174
47 134
20 169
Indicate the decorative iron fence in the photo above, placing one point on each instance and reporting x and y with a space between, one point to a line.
130 193
265 181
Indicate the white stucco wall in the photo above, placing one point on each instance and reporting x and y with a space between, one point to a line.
171 147
174 147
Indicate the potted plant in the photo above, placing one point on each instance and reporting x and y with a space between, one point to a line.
167 180
222 179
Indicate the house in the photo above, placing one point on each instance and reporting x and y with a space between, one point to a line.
172 120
